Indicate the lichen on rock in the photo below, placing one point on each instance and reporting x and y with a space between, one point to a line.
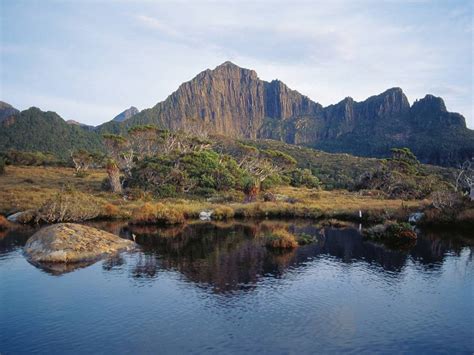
73 243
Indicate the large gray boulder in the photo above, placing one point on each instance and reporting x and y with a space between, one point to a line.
73 243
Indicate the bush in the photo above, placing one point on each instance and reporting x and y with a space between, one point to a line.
222 212
391 231
69 206
111 211
466 217
157 213
304 177
4 223
16 157
280 239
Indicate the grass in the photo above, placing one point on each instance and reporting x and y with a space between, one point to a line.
280 238
23 188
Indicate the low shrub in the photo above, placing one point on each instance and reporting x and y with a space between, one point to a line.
157 213
222 213
466 217
111 211
280 239
4 223
69 206
304 239
391 231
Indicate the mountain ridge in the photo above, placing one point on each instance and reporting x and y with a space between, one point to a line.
234 101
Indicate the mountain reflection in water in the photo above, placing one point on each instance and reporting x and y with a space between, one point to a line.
213 287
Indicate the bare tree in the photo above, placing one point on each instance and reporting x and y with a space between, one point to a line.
82 160
465 178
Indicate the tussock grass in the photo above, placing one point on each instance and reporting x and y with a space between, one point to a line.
151 213
280 238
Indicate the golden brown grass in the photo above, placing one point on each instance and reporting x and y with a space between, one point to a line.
280 239
157 213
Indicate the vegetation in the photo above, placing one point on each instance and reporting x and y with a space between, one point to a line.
401 176
391 232
4 224
2 166
190 172
46 132
69 205
280 238
157 213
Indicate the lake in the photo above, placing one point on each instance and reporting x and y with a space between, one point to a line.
214 288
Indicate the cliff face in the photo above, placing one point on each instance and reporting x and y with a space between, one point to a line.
233 101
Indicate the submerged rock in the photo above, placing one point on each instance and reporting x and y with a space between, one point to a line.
73 243
414 218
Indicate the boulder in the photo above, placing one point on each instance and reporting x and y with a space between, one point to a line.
205 215
73 243
22 217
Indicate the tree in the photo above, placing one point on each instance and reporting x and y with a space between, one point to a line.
82 160
113 173
260 164
465 178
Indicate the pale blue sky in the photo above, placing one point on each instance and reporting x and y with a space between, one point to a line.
89 60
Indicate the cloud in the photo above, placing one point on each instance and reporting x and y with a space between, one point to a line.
136 53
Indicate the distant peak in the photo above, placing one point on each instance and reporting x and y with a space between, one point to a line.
125 115
228 63
431 101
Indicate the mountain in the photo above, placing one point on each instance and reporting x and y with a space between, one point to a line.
125 115
36 130
233 101
6 110
82 125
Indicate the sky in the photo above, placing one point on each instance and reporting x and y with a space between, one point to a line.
89 60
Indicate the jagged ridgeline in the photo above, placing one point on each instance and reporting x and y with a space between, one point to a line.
233 101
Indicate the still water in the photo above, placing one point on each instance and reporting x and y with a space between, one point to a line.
214 288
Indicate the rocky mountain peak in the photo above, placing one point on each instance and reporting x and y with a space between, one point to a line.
431 103
125 115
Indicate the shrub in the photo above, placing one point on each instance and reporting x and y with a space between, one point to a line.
4 223
304 239
222 212
466 217
304 177
280 239
157 213
391 231
111 211
69 206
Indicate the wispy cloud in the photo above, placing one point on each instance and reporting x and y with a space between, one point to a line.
115 55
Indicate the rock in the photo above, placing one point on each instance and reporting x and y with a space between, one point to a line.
205 215
73 243
414 218
22 217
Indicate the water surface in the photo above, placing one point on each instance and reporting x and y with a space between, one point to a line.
214 288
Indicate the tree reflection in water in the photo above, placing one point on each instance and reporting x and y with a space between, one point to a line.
230 256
